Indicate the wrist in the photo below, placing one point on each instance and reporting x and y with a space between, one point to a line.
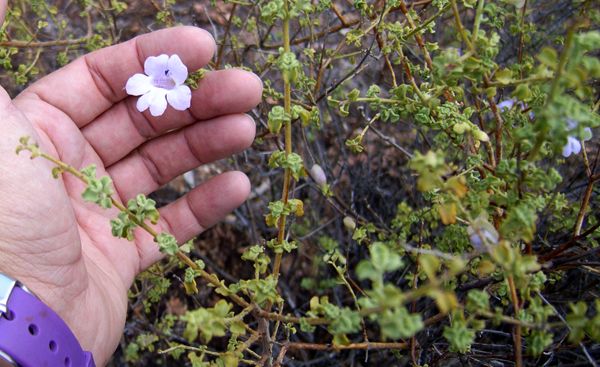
32 334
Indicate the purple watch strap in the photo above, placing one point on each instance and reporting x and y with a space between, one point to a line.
35 336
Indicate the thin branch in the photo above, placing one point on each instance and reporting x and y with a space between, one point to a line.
35 44
353 346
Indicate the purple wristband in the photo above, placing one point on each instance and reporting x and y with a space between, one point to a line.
33 335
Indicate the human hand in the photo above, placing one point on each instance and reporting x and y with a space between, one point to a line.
60 246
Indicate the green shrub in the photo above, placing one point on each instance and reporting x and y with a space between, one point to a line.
456 214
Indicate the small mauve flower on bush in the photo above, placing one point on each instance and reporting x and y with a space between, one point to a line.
482 233
573 145
163 82
508 104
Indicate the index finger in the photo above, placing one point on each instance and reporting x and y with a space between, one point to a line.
90 85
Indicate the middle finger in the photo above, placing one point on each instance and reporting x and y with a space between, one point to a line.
160 160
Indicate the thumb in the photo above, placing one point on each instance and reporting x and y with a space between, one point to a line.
2 10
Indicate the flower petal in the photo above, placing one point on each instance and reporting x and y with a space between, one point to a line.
144 102
156 65
572 147
138 84
571 124
506 105
177 70
158 105
490 236
476 242
155 100
180 97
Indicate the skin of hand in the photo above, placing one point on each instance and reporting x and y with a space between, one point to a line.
60 246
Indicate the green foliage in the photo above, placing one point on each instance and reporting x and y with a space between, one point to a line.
289 66
459 336
139 209
456 196
278 209
156 285
123 226
342 320
477 300
400 324
98 190
207 322
257 255
538 341
143 209
430 167
383 259
272 10
167 243
194 78
291 161
355 144
283 246
582 325
277 118
261 291
514 262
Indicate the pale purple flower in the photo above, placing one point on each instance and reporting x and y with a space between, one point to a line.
163 82
481 237
506 105
482 234
571 124
573 145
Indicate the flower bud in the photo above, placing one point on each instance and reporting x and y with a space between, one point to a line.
460 128
317 174
480 135
349 223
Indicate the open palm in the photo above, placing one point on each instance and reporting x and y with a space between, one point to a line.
61 246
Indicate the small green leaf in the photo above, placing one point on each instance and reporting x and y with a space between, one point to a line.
400 324
577 321
98 191
522 92
277 117
189 282
143 209
167 243
355 144
504 76
445 300
477 300
207 322
237 327
430 265
549 57
122 226
290 66
459 336
383 258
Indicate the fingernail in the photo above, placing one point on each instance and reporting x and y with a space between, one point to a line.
250 118
260 81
